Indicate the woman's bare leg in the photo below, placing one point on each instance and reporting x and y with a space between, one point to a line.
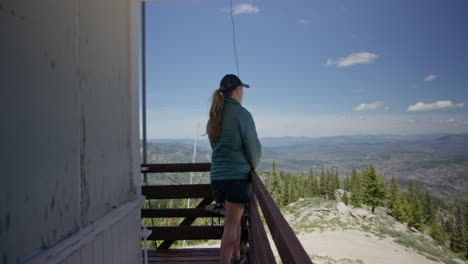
232 222
236 252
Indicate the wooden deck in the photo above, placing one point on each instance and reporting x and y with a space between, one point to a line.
253 234
184 256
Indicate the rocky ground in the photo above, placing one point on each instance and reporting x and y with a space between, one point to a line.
332 232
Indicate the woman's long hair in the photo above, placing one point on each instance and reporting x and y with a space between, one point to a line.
216 111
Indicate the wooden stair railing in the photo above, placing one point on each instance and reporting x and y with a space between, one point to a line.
288 245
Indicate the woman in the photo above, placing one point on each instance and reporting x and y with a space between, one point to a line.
236 151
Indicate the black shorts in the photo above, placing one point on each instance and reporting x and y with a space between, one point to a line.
234 191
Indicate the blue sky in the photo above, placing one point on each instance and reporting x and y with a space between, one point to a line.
316 68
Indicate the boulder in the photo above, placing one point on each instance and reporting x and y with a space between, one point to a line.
342 208
400 227
380 210
339 194
362 213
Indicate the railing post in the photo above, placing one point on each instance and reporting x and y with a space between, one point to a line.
289 247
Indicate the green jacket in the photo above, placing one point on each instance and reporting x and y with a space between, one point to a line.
237 150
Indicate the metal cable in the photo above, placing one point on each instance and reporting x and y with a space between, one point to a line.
234 40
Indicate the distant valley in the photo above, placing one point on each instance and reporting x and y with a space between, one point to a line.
437 162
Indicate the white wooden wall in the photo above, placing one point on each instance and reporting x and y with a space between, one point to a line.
115 239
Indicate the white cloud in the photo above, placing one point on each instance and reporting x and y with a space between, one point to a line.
451 120
354 58
387 108
439 105
245 9
371 106
430 77
304 21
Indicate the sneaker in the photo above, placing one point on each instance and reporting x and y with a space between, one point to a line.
242 260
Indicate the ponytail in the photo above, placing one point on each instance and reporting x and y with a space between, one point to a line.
214 123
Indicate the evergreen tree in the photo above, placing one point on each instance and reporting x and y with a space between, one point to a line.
436 232
393 196
414 206
355 180
373 188
316 185
346 184
330 185
323 184
457 239
337 181
356 196
427 209
345 198
400 208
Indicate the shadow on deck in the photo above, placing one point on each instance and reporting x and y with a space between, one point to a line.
254 240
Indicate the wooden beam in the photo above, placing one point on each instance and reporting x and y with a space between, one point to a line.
171 233
187 222
177 212
176 191
289 247
183 251
259 246
175 167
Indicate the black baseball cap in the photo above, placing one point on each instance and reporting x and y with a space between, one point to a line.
230 82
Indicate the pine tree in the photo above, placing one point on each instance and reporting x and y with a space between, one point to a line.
414 206
275 186
346 184
345 198
373 188
457 240
316 185
436 232
285 191
355 180
400 208
427 209
356 196
393 196
337 180
323 184
330 185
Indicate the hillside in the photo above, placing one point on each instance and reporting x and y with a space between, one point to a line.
332 232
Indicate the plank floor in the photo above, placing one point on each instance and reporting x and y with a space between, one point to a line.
184 256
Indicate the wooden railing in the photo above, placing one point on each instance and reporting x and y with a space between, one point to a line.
289 247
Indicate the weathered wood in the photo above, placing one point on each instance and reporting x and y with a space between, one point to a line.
184 252
172 233
260 249
176 191
177 212
289 247
186 222
185 255
175 167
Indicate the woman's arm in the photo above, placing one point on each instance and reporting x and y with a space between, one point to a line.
252 146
